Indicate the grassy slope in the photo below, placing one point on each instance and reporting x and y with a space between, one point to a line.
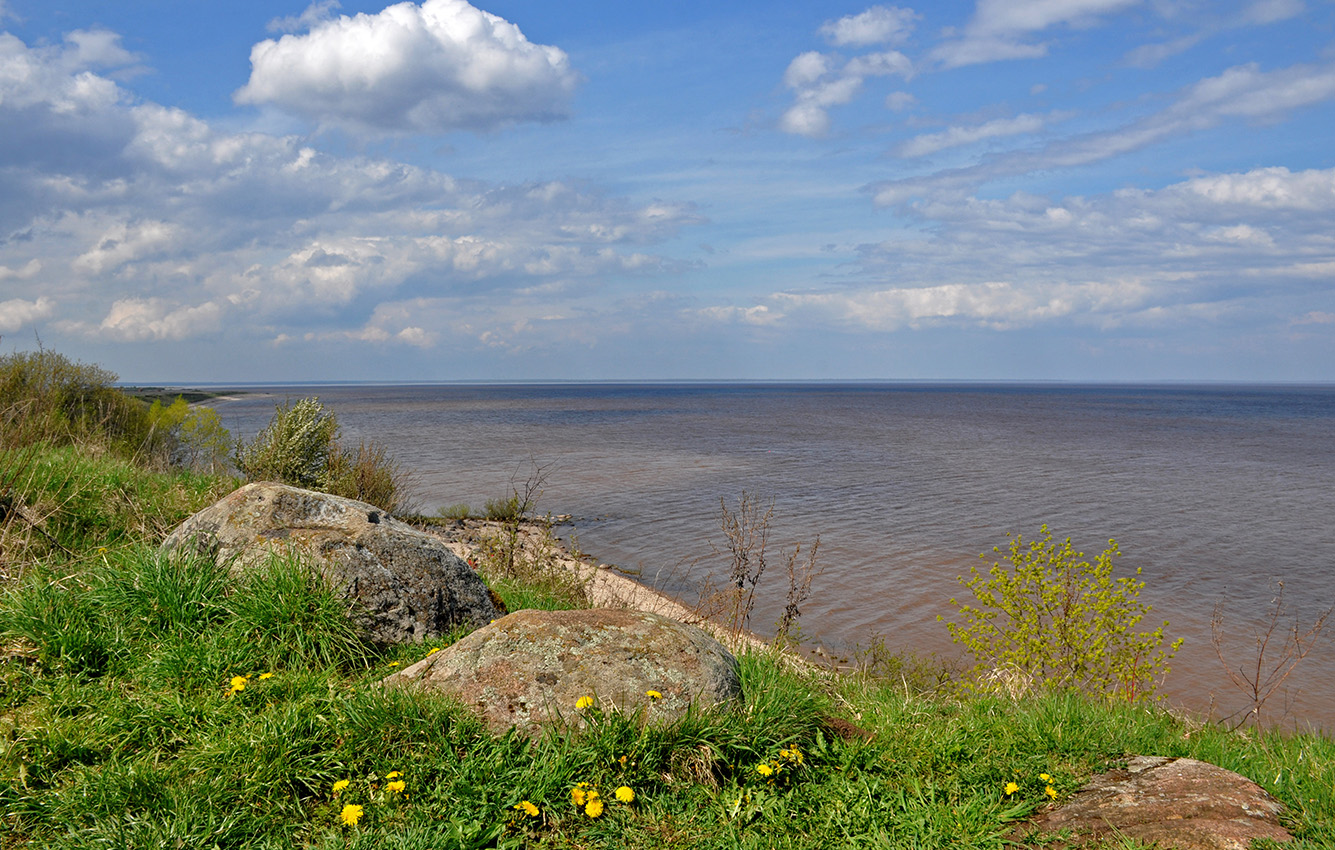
120 725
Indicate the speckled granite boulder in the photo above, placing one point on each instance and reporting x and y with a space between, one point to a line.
405 585
532 668
1181 803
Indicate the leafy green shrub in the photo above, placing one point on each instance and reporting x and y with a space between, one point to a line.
1052 619
293 448
47 398
196 435
300 446
459 510
511 509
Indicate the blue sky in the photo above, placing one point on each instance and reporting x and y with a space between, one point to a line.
1089 190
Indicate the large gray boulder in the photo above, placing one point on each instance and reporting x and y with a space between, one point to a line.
404 585
534 668
1177 802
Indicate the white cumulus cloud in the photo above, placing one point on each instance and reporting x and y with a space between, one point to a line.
124 242
809 116
438 67
818 83
24 272
139 319
17 313
877 25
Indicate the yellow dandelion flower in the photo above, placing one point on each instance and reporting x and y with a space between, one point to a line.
577 795
351 814
583 702
1051 792
653 694
594 808
395 787
264 676
626 794
394 774
1011 788
764 769
1045 777
340 785
238 684
527 808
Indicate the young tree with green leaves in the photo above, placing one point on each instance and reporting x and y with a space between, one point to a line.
1049 618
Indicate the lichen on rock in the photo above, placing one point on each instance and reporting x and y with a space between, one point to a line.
536 668
405 585
1176 802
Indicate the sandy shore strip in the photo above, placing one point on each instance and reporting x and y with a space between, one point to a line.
605 587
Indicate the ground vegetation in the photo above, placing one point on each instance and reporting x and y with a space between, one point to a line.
150 700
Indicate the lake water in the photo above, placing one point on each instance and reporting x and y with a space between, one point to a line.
1215 492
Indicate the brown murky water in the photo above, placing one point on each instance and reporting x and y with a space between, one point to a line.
1215 492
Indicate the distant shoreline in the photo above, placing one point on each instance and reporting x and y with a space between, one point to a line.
167 395
218 389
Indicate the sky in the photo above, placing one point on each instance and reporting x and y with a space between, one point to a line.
1070 190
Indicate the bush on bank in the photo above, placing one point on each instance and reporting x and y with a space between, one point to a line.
302 446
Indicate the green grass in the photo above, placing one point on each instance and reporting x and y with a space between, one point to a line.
120 727
76 503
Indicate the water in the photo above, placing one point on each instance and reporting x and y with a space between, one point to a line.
1215 493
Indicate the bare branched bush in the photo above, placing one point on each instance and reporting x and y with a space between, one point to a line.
528 555
1280 645
746 540
746 536
801 575
512 511
519 547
